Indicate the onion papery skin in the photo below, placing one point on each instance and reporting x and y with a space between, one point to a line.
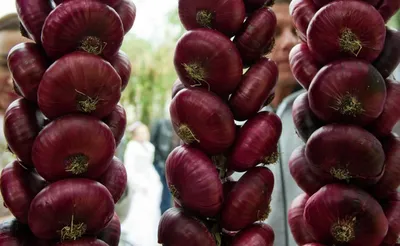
67 27
340 213
123 67
299 168
254 5
256 142
389 58
388 8
302 12
115 179
385 123
32 14
112 233
194 181
256 87
211 128
303 65
225 16
27 64
177 87
296 221
346 152
392 212
390 181
256 36
108 2
257 234
249 200
117 121
348 91
18 188
340 30
321 3
14 233
22 124
79 83
86 202
207 58
83 242
73 146
305 121
127 12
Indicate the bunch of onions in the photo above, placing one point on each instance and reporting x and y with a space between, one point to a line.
296 220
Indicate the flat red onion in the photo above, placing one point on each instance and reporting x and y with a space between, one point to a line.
71 208
253 5
22 123
115 179
388 8
27 64
348 91
256 142
177 87
321 3
73 146
389 58
341 30
206 58
83 242
346 152
255 89
249 200
127 12
259 233
86 25
256 36
14 233
303 65
79 82
296 220
123 66
117 122
390 116
225 16
108 2
345 214
302 11
194 181
203 120
305 121
171 232
112 232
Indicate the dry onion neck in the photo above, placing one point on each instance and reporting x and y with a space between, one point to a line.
197 73
77 164
343 230
349 42
269 3
204 18
216 234
86 104
73 232
262 216
220 162
174 191
93 45
271 159
186 134
348 105
340 173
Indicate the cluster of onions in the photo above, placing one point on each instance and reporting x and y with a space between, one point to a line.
210 94
66 125
349 164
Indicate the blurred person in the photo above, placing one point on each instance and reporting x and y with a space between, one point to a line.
141 223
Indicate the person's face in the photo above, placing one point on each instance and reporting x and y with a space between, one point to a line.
285 39
142 134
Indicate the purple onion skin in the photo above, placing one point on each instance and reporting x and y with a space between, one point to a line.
392 212
14 233
83 242
302 12
303 65
257 234
127 12
117 122
123 66
253 5
115 179
389 58
321 3
111 234
388 8
177 87
296 220
111 3
171 232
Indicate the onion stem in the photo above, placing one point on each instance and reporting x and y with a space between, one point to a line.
186 134
204 18
340 173
348 105
271 159
77 164
349 42
73 232
220 162
93 45
343 230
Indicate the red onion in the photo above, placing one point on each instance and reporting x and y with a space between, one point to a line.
256 87
314 244
249 200
108 2
348 91
228 187
390 181
86 25
112 232
256 142
389 58
117 123
296 220
27 64
388 8
33 14
258 233
392 212
193 181
79 82
73 146
14 233
170 230
122 65
127 12
18 188
225 16
302 11
341 29
254 5
71 208
302 64
340 213
385 123
202 120
304 119
206 58
22 123
177 87
321 3
115 179
256 36
346 152
83 242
